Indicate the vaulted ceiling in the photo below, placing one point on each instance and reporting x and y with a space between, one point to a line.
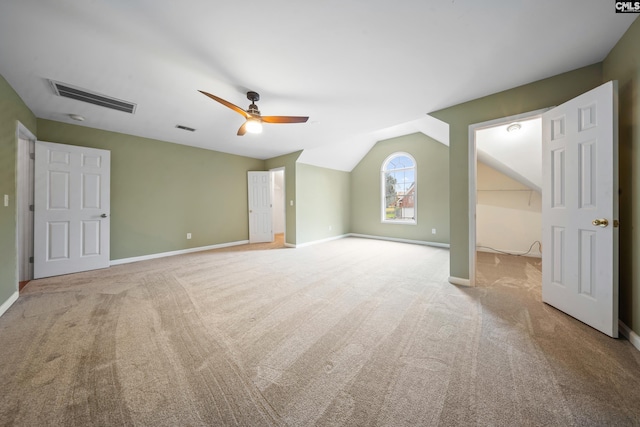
361 70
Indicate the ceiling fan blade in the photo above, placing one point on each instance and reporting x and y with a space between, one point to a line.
243 129
284 119
226 103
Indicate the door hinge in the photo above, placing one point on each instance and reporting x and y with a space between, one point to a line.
32 156
31 208
30 260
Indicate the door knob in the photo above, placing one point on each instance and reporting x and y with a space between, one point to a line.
601 222
103 216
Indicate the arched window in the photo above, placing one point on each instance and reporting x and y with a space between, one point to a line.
398 183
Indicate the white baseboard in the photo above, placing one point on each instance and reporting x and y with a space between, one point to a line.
8 303
458 281
367 236
173 253
394 239
628 333
315 242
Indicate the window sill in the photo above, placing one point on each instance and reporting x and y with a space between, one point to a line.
400 222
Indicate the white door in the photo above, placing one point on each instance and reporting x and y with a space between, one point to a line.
260 224
71 218
580 208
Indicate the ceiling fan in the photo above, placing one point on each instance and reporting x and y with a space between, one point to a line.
254 121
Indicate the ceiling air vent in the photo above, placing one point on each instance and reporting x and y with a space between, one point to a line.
185 128
68 91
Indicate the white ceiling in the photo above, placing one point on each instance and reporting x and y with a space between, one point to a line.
517 154
362 70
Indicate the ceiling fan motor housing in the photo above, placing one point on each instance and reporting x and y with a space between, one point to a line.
253 109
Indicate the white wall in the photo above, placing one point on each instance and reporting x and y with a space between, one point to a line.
508 214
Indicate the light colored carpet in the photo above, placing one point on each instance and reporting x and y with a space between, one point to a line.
352 332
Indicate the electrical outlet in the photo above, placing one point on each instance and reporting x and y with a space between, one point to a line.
433 231
188 236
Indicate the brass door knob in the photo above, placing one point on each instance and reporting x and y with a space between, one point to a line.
600 222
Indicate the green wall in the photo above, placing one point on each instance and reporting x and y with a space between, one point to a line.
12 110
623 64
432 160
535 96
161 191
288 162
323 198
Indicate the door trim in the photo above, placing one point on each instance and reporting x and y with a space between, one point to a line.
23 190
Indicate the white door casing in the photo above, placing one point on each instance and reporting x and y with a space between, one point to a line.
260 207
580 188
72 202
24 199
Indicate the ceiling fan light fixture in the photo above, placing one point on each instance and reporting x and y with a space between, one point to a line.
253 126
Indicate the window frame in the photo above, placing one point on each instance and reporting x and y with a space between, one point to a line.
383 207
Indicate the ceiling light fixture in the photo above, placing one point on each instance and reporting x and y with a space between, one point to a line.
77 117
514 127
253 126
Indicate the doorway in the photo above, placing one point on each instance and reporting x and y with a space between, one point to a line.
279 204
505 187
579 206
266 205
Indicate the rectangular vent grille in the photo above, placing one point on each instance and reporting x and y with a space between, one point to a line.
68 91
185 128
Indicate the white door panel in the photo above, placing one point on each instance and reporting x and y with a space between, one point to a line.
71 218
580 264
260 207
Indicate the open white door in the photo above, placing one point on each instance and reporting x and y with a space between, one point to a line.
580 208
260 207
71 218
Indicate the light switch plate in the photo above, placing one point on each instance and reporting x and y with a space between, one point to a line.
6 200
